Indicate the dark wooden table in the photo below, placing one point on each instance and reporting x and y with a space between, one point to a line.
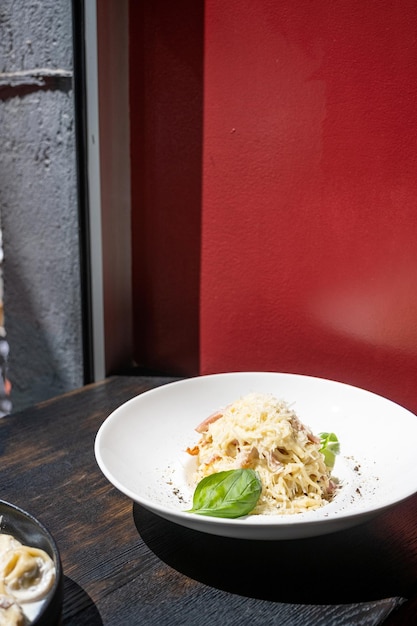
124 566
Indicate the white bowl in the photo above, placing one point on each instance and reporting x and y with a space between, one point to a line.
140 448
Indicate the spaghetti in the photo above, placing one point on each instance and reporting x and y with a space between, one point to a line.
262 433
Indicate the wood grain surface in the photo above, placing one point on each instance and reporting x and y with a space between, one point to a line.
125 566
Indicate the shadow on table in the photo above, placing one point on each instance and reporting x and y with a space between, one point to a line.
339 568
78 609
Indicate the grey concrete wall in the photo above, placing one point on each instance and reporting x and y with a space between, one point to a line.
38 200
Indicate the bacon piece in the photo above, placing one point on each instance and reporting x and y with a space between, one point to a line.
203 426
274 462
313 438
248 458
332 487
193 451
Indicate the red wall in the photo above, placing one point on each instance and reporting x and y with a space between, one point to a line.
308 192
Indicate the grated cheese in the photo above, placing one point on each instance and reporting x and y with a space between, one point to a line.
262 433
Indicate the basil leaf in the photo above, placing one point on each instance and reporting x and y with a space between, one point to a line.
330 447
232 493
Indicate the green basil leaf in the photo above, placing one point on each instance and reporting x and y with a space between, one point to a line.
330 447
231 494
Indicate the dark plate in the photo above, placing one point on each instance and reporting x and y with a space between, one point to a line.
29 531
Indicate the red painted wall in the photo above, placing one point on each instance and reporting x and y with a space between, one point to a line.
308 192
309 255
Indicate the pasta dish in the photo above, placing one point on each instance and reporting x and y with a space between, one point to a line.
262 433
26 576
